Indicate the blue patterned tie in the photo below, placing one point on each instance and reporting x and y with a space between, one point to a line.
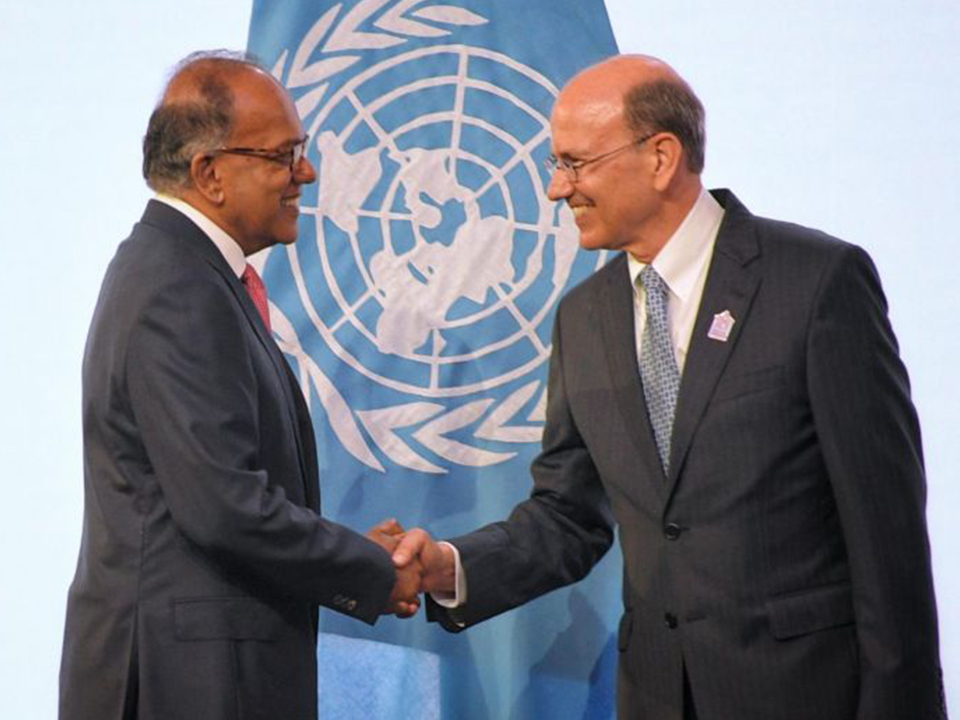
658 365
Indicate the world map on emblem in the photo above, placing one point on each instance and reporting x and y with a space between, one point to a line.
437 259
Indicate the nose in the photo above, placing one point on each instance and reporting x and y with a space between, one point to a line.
560 186
304 173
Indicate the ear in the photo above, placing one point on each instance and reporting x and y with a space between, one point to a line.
207 178
668 155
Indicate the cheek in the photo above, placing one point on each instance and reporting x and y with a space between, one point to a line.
270 202
632 206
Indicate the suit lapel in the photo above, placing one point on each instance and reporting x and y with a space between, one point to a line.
288 384
731 285
180 226
616 317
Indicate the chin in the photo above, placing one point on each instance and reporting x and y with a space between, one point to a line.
593 243
287 237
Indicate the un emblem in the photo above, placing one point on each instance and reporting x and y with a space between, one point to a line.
434 261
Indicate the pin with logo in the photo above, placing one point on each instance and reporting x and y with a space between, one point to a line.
721 326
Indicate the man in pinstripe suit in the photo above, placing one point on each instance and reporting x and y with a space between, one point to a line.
776 560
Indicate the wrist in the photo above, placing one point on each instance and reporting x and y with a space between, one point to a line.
447 575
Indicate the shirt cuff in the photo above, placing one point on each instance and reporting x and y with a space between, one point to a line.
459 596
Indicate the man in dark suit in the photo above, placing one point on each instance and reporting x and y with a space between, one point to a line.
204 558
728 393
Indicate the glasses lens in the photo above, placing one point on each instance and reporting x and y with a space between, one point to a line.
299 150
552 163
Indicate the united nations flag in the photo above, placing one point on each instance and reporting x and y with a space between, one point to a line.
417 307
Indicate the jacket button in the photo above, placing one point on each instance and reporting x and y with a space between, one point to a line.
670 620
672 531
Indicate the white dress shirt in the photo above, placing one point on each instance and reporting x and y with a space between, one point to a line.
682 263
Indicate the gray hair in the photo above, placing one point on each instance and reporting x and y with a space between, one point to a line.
179 130
669 106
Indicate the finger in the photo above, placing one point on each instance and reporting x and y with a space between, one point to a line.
410 547
406 609
387 542
390 526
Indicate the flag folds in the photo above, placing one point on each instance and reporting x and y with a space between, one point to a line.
416 309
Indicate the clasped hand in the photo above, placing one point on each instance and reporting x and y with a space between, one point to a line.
422 565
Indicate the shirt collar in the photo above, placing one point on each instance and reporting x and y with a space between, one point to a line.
227 246
688 250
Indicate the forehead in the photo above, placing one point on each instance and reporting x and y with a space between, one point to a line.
583 122
263 111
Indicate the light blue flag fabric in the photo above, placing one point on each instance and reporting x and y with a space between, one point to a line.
417 308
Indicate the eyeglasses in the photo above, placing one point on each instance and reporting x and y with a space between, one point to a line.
571 168
290 157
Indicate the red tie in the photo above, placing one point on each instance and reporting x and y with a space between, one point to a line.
257 291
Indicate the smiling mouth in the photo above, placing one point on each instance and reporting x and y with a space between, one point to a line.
293 202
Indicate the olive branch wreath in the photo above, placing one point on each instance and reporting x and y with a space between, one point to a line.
340 41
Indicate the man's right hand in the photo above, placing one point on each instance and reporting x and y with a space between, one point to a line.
404 601
436 561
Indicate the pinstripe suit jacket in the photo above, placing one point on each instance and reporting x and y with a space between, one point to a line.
784 561
203 557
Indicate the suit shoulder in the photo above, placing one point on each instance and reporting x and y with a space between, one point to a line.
153 246
800 260
777 236
740 228
151 259
156 274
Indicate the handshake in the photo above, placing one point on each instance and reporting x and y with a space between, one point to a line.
422 564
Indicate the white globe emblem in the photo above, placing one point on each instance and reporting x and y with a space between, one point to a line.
437 244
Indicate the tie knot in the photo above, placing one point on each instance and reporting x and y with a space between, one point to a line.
251 277
652 282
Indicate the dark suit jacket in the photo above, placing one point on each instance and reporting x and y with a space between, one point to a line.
784 562
203 557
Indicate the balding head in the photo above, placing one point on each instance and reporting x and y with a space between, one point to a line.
619 74
627 135
226 139
195 114
650 97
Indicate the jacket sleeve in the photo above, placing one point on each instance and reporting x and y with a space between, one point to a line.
870 438
551 539
200 397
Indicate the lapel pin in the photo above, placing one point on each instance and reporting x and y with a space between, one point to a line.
721 326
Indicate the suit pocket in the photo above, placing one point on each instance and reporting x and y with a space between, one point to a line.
226 618
810 610
748 383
